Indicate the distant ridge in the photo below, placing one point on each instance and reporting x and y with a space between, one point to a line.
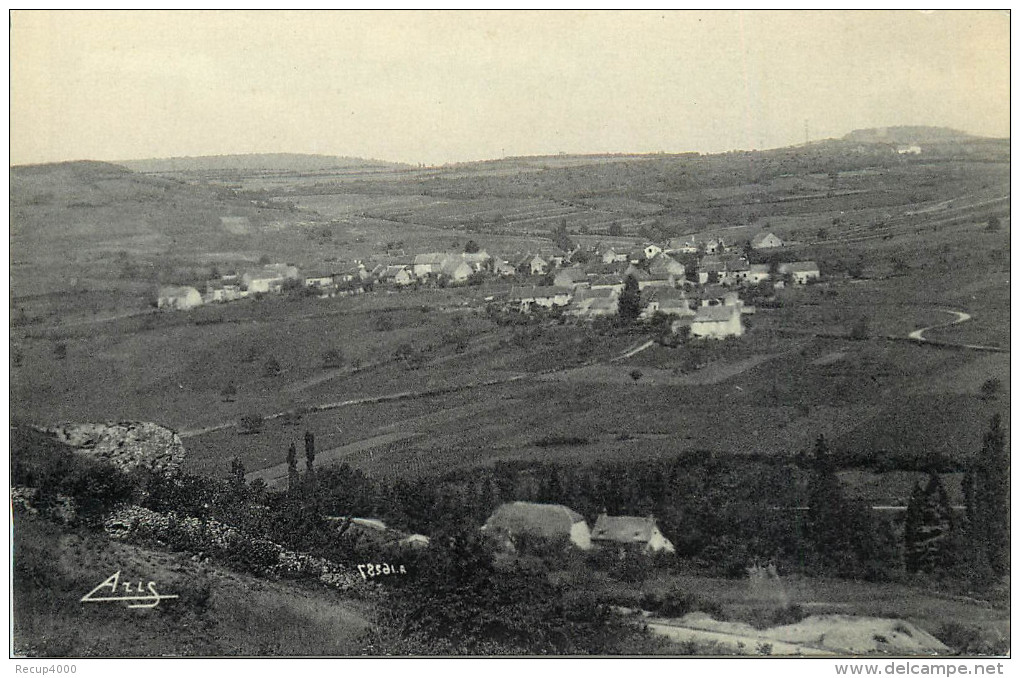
280 162
908 134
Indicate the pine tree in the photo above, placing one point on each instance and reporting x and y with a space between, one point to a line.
929 531
293 477
310 453
630 300
986 488
825 502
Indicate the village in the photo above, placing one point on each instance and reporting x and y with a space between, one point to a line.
695 284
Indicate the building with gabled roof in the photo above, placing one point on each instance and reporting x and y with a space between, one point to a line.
717 322
800 271
549 521
766 241
667 265
630 532
178 298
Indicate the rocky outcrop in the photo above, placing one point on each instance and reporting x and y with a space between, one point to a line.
127 445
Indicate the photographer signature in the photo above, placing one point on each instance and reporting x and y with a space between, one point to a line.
152 598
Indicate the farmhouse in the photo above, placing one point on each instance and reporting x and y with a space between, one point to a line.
428 264
532 264
665 264
630 532
549 521
606 282
668 301
178 298
397 275
765 241
682 245
503 268
476 260
457 270
571 277
801 271
594 302
758 273
717 322
318 279
651 250
269 278
611 256
222 290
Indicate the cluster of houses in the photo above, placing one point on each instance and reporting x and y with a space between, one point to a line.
703 300
515 519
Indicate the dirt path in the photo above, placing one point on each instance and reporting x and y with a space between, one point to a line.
961 317
732 642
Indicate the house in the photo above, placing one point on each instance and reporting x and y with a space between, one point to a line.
428 264
318 279
532 264
630 532
758 273
606 282
532 295
611 256
666 300
549 521
397 275
223 290
476 260
554 256
595 302
800 271
727 269
503 268
715 246
571 277
717 322
456 269
682 246
178 298
269 278
663 263
765 241
651 250
718 295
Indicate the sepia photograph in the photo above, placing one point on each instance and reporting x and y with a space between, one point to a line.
571 334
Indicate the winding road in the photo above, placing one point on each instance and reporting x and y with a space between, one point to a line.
918 335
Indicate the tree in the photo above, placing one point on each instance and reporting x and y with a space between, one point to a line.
994 224
293 477
471 247
237 482
229 392
929 530
990 388
310 452
825 502
615 229
860 328
60 351
251 423
986 487
271 367
630 300
332 359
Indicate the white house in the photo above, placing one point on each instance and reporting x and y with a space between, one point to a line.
652 250
717 322
801 271
457 269
630 532
682 245
178 298
503 268
269 278
663 263
570 277
611 256
550 521
765 241
758 273
397 275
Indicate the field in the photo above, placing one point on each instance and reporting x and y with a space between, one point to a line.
430 382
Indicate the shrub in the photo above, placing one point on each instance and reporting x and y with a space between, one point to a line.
332 359
271 367
251 423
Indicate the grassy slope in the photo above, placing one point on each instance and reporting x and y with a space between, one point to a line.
219 612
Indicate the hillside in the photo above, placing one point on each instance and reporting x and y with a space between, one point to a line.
274 162
908 134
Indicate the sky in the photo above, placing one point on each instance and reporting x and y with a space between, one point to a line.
444 86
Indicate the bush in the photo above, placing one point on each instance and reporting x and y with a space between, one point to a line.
250 423
271 368
332 359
